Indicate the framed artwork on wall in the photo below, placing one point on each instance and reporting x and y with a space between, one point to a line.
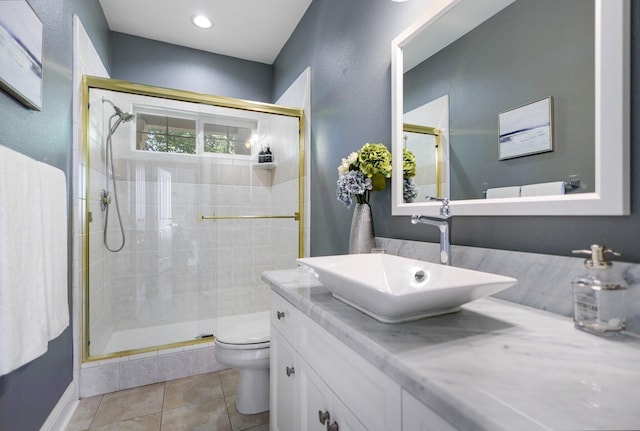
21 52
526 130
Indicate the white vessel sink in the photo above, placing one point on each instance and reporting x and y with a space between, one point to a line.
396 289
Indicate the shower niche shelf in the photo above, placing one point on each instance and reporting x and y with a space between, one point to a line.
266 166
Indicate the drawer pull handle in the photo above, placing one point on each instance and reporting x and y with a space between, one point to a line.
324 417
290 371
333 426
280 315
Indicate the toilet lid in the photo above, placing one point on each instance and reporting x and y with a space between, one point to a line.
244 329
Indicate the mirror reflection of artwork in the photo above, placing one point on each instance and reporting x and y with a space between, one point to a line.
526 130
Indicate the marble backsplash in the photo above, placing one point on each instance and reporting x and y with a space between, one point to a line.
544 281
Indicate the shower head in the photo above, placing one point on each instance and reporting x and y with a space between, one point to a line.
124 116
127 116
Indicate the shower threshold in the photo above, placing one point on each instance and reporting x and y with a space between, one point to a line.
163 335
142 338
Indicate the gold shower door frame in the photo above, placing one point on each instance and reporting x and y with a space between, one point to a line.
91 82
437 134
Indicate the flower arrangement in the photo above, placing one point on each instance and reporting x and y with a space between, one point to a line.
408 164
363 172
409 187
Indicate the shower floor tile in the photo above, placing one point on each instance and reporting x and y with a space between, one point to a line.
206 401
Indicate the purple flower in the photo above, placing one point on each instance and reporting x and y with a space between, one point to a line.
353 183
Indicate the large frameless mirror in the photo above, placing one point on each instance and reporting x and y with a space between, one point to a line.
532 113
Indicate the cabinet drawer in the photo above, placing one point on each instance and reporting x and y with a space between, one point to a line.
372 397
284 317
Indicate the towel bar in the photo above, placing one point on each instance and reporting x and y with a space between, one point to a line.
200 217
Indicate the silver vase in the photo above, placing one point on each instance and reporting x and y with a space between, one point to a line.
361 238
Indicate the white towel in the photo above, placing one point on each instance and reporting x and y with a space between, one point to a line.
543 189
31 285
503 192
54 248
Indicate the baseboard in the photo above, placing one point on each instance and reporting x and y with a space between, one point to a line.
61 414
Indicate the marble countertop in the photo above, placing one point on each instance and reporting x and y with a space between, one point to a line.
495 365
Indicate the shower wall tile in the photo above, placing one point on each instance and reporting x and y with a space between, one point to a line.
261 178
123 263
286 171
187 171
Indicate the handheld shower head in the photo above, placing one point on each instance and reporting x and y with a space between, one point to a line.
127 116
124 116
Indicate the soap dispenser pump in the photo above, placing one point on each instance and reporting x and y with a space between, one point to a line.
598 297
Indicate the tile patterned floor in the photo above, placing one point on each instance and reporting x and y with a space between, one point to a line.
196 403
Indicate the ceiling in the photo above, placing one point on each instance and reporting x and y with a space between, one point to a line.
253 30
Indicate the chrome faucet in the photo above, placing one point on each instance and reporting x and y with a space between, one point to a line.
443 223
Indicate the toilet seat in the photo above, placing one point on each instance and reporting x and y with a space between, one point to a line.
244 331
243 346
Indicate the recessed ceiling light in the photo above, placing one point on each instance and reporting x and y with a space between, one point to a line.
201 21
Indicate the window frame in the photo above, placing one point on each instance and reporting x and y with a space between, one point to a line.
200 120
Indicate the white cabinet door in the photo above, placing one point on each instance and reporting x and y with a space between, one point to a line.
345 419
284 390
372 396
321 409
419 417
316 400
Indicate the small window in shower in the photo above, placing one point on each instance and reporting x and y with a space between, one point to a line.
164 134
223 139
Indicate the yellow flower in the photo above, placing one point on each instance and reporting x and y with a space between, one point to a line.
374 159
408 164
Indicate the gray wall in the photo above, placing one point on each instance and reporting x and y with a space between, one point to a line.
162 64
28 394
347 44
525 53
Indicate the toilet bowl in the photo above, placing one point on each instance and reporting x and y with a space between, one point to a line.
242 342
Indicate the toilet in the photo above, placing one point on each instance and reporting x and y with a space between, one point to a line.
242 342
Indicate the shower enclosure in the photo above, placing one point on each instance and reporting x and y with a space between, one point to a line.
181 217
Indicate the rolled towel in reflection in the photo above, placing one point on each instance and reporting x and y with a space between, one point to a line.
543 189
503 192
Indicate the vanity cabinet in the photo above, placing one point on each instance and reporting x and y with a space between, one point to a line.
318 383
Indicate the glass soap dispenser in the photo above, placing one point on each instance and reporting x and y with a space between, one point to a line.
598 296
